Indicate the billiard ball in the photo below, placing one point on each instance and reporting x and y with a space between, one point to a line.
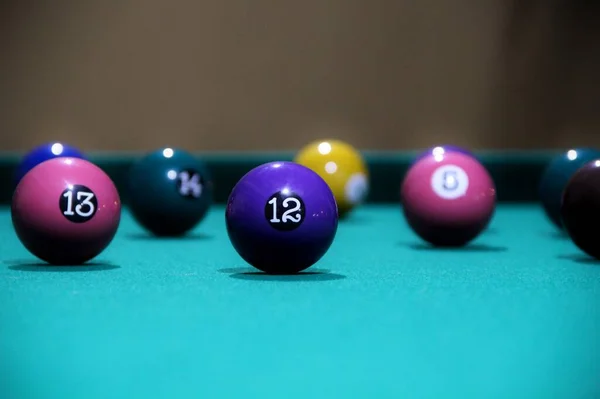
43 153
441 149
580 208
66 211
281 217
556 176
170 192
448 199
343 169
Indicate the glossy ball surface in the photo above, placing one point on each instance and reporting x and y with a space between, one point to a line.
556 176
281 217
580 208
343 169
43 153
440 150
66 211
170 192
449 199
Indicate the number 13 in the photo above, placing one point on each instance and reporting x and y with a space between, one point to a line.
82 203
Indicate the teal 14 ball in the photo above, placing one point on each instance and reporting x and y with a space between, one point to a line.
170 192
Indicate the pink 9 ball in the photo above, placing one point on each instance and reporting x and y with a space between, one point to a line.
66 211
448 198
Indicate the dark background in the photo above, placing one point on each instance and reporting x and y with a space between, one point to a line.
273 74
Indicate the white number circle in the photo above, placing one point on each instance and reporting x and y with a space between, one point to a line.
356 188
450 182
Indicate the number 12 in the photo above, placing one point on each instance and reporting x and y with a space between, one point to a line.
287 214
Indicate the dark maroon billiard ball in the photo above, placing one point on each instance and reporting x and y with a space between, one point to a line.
66 211
580 208
448 198
556 177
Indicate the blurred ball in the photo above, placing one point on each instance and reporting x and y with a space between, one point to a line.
170 192
43 153
580 208
556 176
448 199
343 169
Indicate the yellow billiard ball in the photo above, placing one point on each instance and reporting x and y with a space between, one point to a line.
342 167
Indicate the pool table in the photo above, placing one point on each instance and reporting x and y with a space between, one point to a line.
516 314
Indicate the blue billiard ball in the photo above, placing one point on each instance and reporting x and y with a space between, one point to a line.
43 153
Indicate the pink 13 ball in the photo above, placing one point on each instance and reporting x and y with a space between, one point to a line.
66 211
448 199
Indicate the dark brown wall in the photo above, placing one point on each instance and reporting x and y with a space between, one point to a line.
272 74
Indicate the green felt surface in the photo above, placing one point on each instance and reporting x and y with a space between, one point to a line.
516 315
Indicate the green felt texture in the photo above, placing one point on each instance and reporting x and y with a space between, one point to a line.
516 174
515 315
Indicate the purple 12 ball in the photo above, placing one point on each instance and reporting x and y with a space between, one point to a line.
281 217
